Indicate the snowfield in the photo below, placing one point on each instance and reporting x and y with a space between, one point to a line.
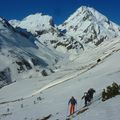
56 89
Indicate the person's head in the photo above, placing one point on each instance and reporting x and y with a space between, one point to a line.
72 97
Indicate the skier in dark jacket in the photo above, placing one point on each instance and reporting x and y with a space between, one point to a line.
104 95
91 91
86 97
72 103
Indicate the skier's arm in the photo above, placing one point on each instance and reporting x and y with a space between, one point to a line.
69 101
82 97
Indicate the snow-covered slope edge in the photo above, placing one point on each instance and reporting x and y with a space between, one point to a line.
103 110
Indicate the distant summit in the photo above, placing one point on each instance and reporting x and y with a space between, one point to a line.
34 22
90 27
83 29
44 29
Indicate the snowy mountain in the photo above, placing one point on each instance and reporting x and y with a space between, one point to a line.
44 29
90 27
82 53
20 52
84 29
35 23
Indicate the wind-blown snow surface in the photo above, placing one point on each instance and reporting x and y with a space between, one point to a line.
76 77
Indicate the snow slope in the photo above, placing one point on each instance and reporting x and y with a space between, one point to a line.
77 78
108 110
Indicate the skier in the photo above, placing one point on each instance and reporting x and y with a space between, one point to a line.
104 95
86 97
91 91
115 89
72 103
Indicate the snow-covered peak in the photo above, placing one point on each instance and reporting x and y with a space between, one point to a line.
34 22
90 26
88 12
95 13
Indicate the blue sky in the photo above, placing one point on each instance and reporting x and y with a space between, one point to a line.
59 9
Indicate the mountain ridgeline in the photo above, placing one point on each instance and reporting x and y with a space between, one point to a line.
85 27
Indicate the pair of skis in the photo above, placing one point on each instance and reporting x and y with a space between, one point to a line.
77 112
83 109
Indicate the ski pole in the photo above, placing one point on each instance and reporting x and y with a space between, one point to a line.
76 107
67 110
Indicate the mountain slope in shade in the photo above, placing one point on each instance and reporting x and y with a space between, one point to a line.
20 52
90 27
